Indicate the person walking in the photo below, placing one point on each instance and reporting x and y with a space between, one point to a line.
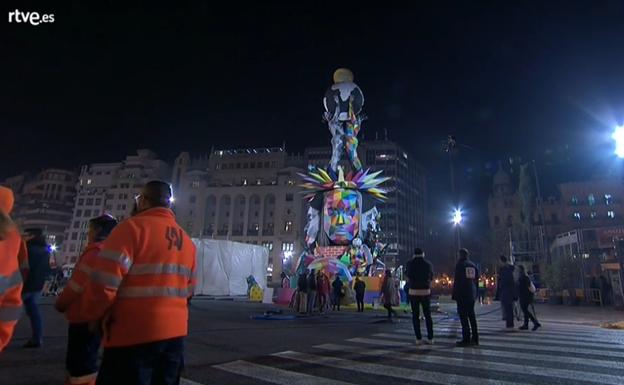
139 289
419 273
82 342
11 245
360 289
302 293
388 293
311 291
465 285
336 292
526 291
506 291
39 269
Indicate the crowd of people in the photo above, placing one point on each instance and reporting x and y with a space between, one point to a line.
130 288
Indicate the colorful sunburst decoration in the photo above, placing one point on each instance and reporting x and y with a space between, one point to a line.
318 180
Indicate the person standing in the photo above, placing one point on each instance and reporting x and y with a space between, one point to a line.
388 293
482 289
302 290
526 290
465 293
336 292
323 289
419 273
39 269
506 291
82 342
11 245
360 289
311 291
139 288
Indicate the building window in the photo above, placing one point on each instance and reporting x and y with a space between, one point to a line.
610 214
98 201
74 236
288 246
288 226
78 213
88 181
72 248
80 202
289 197
577 216
89 201
290 182
195 184
268 245
591 200
574 200
593 215
87 213
608 199
76 224
192 199
258 181
244 182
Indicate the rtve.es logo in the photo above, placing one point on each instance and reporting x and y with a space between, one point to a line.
34 18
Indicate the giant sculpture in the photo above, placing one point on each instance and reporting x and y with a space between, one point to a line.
340 236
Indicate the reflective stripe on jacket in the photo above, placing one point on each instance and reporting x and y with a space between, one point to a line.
140 281
77 282
10 286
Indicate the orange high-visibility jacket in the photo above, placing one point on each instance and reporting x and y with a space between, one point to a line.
10 286
70 297
141 281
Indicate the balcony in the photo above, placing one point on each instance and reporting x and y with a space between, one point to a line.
252 232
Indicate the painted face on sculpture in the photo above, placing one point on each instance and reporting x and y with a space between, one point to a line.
341 215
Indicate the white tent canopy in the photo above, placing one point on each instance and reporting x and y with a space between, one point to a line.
223 266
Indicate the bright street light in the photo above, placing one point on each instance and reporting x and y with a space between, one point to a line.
53 247
618 137
457 217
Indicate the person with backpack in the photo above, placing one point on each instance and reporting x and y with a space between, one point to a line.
526 291
419 273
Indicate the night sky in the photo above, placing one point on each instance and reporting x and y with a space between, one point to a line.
536 81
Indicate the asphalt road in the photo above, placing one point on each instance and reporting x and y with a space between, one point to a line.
225 346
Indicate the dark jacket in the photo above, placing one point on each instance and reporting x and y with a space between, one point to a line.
506 288
360 288
39 263
302 283
337 286
466 281
419 271
311 282
524 294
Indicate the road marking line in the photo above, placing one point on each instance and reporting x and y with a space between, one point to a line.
486 344
275 375
541 339
392 371
476 364
186 381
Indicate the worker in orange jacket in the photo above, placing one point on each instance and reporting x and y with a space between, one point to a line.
83 343
139 287
10 276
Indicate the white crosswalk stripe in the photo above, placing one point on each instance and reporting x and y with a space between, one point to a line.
556 354
276 376
479 364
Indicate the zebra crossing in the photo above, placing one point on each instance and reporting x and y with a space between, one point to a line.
555 354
